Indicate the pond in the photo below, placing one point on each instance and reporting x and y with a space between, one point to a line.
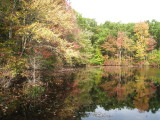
97 93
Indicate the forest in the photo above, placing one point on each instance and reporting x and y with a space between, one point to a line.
56 64
49 34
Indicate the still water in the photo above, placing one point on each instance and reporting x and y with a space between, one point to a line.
101 93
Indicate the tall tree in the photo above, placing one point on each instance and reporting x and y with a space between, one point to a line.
144 40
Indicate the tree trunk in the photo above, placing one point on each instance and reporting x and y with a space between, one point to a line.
10 31
120 57
34 69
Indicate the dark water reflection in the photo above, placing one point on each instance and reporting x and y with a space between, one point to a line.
111 93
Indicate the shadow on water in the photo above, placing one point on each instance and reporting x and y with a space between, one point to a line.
107 93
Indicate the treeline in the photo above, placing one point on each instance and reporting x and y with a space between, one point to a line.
124 44
45 34
40 34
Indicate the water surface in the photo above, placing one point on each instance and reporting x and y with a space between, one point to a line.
106 93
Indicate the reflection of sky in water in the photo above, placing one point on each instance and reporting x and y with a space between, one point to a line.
123 114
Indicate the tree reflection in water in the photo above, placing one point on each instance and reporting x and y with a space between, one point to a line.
73 94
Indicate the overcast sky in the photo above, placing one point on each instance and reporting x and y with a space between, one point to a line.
118 10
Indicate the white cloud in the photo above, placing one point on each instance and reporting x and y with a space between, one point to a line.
118 10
